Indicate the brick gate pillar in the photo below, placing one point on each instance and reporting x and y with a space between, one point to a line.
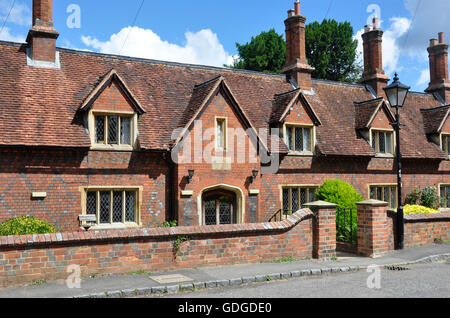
324 229
373 231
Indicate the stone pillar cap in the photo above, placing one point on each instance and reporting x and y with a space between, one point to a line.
321 204
373 203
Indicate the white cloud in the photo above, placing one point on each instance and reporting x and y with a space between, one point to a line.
5 35
431 18
20 14
202 47
391 46
424 78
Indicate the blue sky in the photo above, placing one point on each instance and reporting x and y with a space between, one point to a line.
205 32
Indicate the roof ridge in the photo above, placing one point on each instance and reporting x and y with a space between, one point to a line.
290 92
215 79
379 99
338 83
429 110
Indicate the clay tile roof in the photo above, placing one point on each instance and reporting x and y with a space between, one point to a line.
40 107
281 102
435 118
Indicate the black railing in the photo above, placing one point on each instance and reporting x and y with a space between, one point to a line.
347 225
280 215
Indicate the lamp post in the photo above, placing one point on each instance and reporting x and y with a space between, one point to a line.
396 94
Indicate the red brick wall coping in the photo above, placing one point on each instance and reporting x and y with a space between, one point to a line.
427 217
153 233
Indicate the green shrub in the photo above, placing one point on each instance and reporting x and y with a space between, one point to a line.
170 224
346 197
340 193
25 226
427 197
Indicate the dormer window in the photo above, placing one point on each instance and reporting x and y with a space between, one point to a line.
445 144
383 142
113 129
299 139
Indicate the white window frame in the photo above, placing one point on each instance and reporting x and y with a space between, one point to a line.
224 140
312 138
299 187
393 142
105 146
138 204
385 185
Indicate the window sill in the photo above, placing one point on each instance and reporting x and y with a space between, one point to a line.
112 148
385 156
115 226
301 154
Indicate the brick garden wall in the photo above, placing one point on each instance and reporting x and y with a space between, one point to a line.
425 229
24 259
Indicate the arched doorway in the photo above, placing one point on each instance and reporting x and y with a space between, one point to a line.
219 207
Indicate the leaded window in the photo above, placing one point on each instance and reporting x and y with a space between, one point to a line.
445 145
113 129
445 196
299 139
386 193
382 142
221 132
112 206
293 198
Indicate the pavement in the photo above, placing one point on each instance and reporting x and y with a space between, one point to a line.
139 284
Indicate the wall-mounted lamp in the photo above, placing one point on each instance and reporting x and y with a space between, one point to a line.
254 175
191 175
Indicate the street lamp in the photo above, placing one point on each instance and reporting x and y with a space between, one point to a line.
396 94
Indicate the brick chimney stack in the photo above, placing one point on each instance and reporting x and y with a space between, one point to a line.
373 74
42 35
297 66
439 81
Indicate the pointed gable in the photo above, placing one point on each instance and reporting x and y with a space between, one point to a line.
218 93
436 120
373 114
293 107
112 94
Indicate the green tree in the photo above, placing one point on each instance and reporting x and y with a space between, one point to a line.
265 53
331 50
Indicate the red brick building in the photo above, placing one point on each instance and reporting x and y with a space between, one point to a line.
88 133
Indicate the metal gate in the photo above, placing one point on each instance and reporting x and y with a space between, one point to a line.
347 225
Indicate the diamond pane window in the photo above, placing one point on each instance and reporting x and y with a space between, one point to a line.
210 212
306 139
225 211
125 131
130 203
91 203
105 202
100 129
109 206
446 144
299 139
295 205
295 197
382 143
385 193
117 208
393 197
112 129
286 205
289 136
445 196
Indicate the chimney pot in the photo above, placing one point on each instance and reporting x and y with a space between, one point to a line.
433 42
297 7
441 38
291 13
376 23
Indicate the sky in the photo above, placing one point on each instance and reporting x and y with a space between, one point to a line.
205 32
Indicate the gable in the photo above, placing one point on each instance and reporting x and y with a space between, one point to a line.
299 115
381 120
112 99
446 126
